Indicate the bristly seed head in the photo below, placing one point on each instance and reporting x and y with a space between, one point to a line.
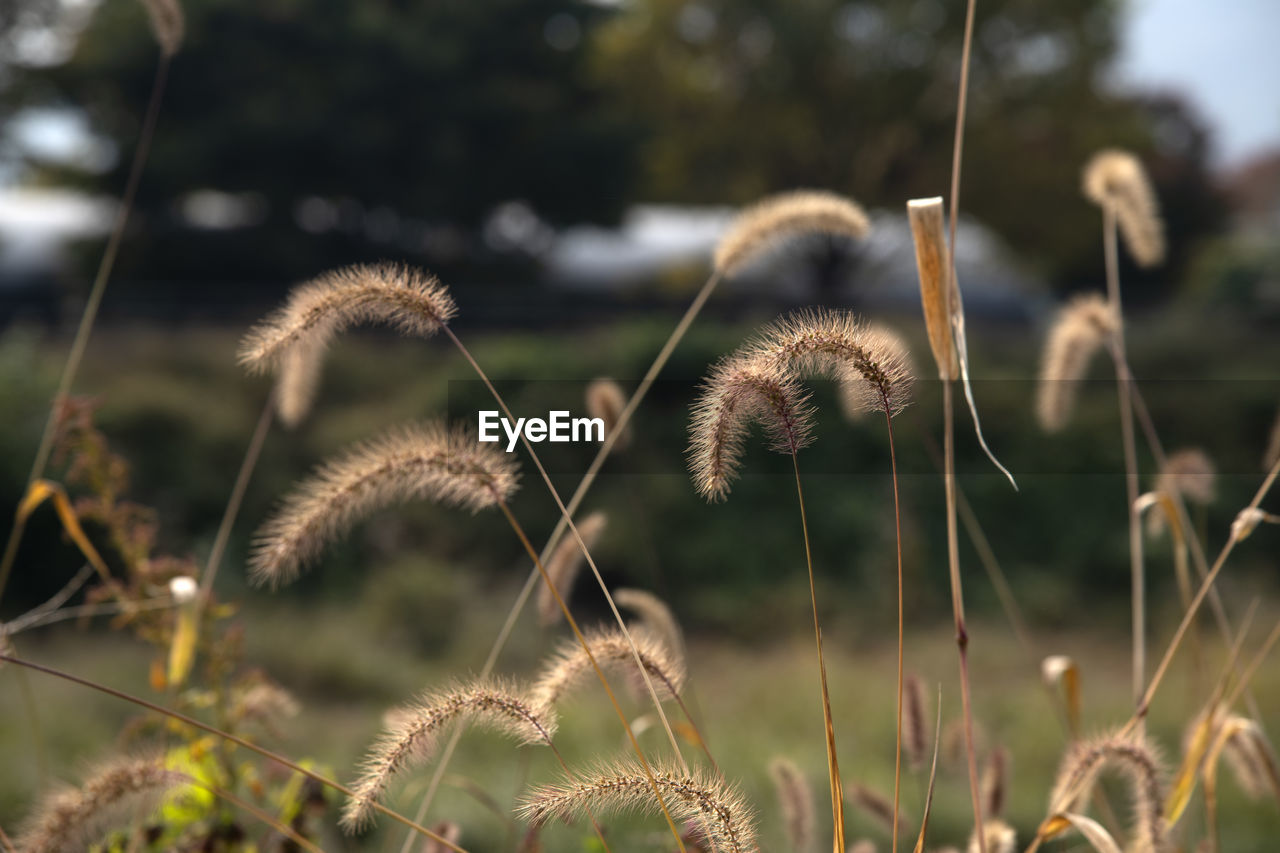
606 400
1079 330
565 563
168 24
426 461
777 218
795 799
625 786
612 651
761 382
414 302
414 732
1115 179
73 818
1140 764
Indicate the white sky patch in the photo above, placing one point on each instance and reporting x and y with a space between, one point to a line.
1223 54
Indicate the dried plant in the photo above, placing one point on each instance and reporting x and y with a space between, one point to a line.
297 379
414 733
873 804
1116 181
655 616
611 650
446 829
995 780
606 401
414 302
1272 455
167 22
1079 330
1140 764
72 819
564 564
997 837
717 809
795 800
913 728
778 218
427 461
1251 758
1188 473
925 216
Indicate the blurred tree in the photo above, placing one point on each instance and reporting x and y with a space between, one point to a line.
746 97
385 127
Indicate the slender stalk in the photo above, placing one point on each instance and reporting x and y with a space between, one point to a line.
78 345
833 764
1123 383
949 476
584 485
251 455
238 741
1145 703
897 527
957 604
577 632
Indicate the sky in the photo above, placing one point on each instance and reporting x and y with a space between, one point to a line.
1224 54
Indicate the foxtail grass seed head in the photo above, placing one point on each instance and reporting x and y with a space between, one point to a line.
266 704
408 299
926 218
415 733
1251 758
1247 521
606 400
1115 179
874 805
1188 472
446 829
1272 456
655 617
568 667
1139 763
167 22
740 390
565 563
761 382
72 819
297 380
795 801
1078 332
913 718
773 220
625 787
995 780
1000 837
427 461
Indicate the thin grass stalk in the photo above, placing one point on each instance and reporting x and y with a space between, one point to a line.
953 548
1198 556
577 632
586 553
1145 703
897 526
1123 382
90 314
833 764
251 455
580 493
226 736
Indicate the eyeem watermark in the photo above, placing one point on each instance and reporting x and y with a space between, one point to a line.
558 427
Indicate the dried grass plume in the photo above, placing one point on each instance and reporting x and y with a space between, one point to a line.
565 563
570 664
414 733
773 220
427 461
698 798
167 22
1115 179
412 301
795 800
606 401
1137 760
1080 329
72 819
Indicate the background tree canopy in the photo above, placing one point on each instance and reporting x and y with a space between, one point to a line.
405 125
